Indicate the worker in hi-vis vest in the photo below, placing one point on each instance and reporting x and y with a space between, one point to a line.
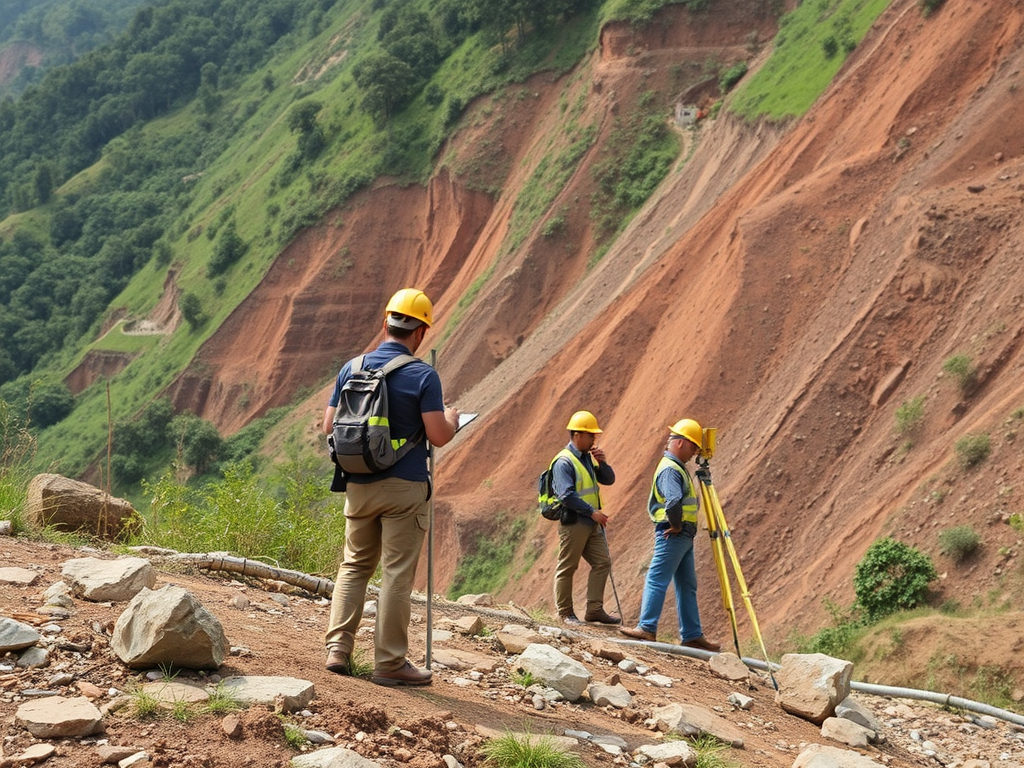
672 506
577 471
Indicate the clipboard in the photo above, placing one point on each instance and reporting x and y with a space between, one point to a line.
464 419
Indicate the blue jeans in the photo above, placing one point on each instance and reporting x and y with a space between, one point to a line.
672 561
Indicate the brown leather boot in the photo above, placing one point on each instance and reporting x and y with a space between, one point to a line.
703 643
406 674
600 616
638 633
339 662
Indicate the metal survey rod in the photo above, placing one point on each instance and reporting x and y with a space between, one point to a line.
430 538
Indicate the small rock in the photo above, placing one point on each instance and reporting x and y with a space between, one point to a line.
37 753
231 726
89 690
740 701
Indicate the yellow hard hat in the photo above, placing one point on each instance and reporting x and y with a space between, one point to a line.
689 429
583 421
412 303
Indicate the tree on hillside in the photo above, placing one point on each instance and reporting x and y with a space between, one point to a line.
302 119
199 444
229 249
387 83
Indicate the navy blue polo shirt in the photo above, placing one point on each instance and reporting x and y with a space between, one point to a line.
413 389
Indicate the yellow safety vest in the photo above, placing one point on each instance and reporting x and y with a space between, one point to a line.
586 484
656 502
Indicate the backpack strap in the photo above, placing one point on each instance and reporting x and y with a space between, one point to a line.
392 365
397 362
357 363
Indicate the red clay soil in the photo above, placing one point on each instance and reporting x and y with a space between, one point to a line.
791 285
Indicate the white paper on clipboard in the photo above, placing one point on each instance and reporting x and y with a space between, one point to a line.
464 419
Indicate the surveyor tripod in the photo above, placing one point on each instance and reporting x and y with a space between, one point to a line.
721 543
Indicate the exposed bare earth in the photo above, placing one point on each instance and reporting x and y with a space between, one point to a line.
281 634
790 285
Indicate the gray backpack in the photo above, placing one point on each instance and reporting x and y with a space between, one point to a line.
361 442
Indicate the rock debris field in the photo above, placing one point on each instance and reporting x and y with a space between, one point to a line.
87 677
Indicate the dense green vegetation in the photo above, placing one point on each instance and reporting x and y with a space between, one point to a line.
811 45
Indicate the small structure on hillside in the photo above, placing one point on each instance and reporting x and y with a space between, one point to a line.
687 114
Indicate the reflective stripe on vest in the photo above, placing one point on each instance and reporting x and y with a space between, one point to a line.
586 484
656 502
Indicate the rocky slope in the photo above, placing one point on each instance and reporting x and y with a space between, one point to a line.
276 631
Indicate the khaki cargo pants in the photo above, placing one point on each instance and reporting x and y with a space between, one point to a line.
576 541
385 522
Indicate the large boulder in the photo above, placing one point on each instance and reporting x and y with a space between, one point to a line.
71 505
555 670
812 685
168 626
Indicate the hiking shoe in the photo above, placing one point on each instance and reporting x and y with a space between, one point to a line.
570 619
339 662
601 617
638 633
703 643
406 674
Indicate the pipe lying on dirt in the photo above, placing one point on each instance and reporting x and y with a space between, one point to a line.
943 699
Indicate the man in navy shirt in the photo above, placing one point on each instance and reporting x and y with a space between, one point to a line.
387 512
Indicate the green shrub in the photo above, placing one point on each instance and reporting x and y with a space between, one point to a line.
246 516
838 640
929 6
191 307
971 450
962 370
731 76
959 542
909 416
892 576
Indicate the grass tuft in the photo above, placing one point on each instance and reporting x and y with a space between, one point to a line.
528 751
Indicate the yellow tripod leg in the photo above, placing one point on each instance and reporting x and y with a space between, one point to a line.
719 554
710 495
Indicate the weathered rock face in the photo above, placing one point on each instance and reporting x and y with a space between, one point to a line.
168 626
71 505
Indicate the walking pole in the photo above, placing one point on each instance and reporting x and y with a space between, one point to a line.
611 578
430 538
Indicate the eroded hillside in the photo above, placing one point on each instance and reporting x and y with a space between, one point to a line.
790 285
